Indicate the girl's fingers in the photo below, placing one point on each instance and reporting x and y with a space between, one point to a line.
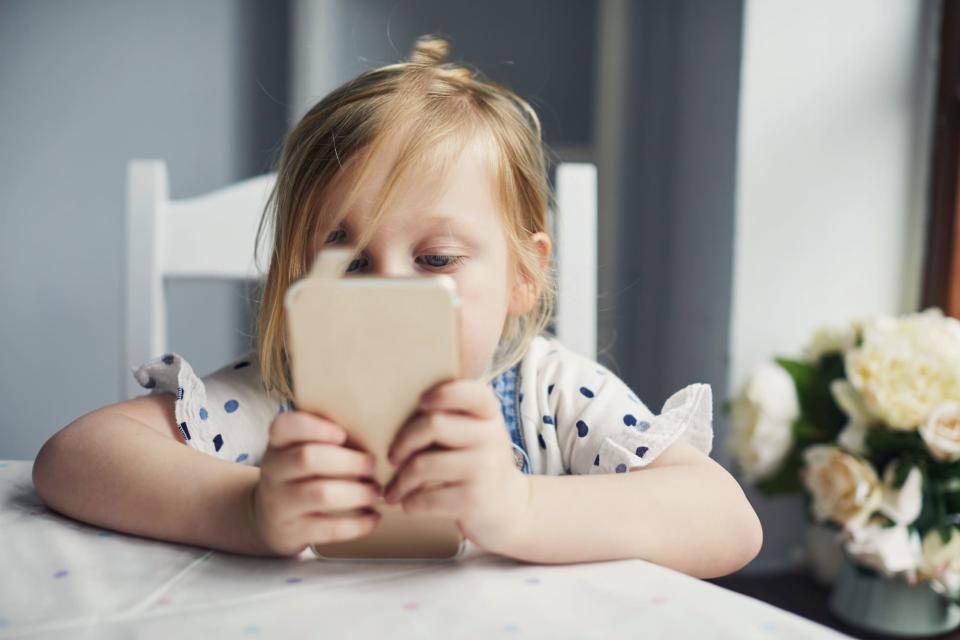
323 527
428 429
428 468
312 459
329 496
295 427
462 396
445 500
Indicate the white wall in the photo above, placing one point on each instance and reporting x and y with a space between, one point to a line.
831 182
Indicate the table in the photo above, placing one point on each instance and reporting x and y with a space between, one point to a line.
63 578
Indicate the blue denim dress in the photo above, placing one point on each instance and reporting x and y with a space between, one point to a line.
505 386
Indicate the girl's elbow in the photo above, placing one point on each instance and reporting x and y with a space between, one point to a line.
736 553
752 538
747 532
44 465
47 473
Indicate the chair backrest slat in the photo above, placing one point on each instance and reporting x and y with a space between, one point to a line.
212 236
576 257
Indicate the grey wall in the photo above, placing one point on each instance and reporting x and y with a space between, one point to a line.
83 89
543 49
666 319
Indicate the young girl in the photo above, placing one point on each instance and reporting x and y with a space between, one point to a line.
423 168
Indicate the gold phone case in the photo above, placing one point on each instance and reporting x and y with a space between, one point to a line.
362 351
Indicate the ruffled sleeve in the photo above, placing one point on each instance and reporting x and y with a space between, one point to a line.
686 414
587 420
226 414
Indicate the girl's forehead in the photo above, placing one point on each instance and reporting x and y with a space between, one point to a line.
434 223
458 195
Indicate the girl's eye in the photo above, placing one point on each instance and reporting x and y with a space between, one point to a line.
443 261
432 261
355 264
336 236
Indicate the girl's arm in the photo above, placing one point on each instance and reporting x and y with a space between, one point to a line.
683 511
125 467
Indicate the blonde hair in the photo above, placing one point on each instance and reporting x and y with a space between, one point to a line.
440 107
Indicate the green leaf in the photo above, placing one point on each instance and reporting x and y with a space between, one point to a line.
946 532
942 524
803 373
928 511
951 502
812 381
902 471
942 470
883 440
832 366
806 433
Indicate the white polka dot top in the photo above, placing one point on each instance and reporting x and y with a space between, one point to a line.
566 413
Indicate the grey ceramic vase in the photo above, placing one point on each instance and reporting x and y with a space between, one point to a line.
865 599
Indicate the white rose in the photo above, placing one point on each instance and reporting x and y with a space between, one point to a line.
941 431
854 434
844 489
761 421
890 550
907 366
941 562
902 505
833 339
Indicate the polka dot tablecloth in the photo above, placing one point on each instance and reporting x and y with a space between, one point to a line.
63 579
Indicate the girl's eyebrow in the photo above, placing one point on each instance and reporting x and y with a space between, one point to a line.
453 225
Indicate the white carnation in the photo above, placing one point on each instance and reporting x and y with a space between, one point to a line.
907 366
859 419
891 550
762 417
941 562
902 505
845 489
941 432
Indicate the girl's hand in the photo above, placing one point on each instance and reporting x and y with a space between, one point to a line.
454 459
305 477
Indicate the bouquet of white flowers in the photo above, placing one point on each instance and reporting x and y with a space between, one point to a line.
867 424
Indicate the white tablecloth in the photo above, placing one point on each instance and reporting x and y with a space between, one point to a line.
63 578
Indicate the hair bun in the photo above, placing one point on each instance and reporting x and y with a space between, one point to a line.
429 50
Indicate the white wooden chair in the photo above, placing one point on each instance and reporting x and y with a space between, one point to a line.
215 235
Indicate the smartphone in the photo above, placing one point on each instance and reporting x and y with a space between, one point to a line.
362 351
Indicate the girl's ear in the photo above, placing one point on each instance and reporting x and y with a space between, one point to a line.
524 293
